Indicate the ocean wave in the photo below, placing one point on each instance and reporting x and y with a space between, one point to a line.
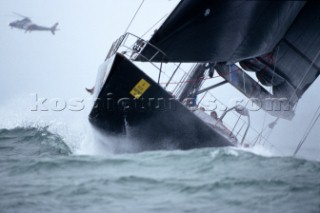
31 141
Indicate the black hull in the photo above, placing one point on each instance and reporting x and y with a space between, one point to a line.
153 121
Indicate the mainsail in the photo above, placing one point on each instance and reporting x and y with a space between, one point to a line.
279 40
222 30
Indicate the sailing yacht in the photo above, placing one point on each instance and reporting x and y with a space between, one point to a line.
278 41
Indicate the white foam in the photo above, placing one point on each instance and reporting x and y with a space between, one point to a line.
232 152
261 150
214 153
73 127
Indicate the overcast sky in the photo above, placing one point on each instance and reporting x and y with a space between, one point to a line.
62 65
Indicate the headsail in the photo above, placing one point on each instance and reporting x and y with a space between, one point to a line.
222 30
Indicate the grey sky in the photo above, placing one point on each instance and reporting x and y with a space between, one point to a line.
62 65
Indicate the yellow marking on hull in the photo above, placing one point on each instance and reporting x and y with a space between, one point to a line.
140 88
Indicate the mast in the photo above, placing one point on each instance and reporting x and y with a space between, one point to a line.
193 83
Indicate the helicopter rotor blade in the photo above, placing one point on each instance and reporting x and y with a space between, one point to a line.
18 14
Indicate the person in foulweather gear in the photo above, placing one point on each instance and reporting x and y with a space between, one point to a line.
210 66
214 115
202 109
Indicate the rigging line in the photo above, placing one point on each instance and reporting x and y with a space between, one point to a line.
244 83
274 65
171 77
202 99
256 139
134 16
251 127
239 69
154 25
308 132
312 122
259 136
239 119
189 81
317 111
263 126
178 86
195 80
305 75
272 127
240 129
267 136
160 72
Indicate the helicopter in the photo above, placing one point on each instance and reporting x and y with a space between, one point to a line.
27 25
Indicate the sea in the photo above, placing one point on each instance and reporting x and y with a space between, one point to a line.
44 171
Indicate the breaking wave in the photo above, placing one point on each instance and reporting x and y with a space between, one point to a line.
31 142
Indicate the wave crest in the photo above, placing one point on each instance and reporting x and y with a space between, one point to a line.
31 141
